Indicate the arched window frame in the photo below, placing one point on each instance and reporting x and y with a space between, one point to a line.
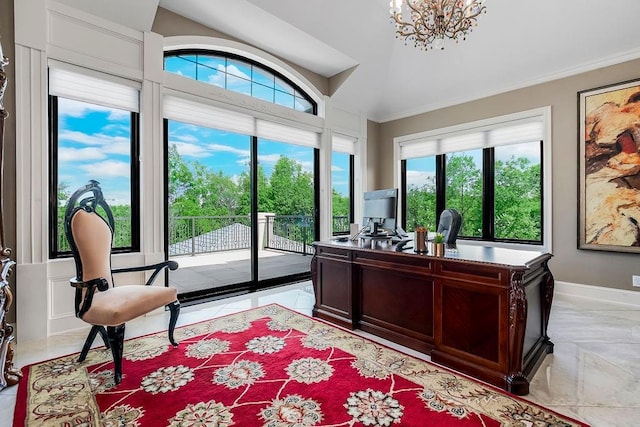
264 59
298 91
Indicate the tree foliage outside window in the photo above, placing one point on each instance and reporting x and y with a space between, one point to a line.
341 175
290 189
517 192
464 189
420 193
195 190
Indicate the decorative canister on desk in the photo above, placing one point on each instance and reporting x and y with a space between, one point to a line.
420 240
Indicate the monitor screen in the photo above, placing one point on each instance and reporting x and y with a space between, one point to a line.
379 211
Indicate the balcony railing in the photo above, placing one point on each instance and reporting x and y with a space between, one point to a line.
290 233
194 235
189 235
207 234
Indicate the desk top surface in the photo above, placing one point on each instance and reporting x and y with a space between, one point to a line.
459 252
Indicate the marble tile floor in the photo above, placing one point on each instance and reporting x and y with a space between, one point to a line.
593 374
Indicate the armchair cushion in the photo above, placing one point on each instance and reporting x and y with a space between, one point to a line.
122 303
92 236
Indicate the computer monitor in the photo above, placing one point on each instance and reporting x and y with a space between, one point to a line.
380 211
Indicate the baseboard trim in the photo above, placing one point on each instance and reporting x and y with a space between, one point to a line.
618 296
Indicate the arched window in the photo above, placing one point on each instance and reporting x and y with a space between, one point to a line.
239 74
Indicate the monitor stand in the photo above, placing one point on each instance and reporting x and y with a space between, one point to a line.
375 230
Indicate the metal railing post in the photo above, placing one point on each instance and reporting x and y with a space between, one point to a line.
193 237
304 239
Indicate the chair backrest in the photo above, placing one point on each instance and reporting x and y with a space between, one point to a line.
89 234
449 225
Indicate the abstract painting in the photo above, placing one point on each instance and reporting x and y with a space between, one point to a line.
609 172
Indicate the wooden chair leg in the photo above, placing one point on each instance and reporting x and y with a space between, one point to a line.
95 329
116 340
174 307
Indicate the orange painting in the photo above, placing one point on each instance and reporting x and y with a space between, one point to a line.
610 168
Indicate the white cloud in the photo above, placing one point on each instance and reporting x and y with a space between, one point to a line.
228 149
234 75
118 197
108 168
185 137
75 154
72 108
232 69
335 168
307 166
190 150
80 137
269 158
530 151
418 178
109 144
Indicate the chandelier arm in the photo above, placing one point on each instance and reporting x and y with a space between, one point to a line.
430 21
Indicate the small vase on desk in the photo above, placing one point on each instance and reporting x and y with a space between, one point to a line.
438 249
420 240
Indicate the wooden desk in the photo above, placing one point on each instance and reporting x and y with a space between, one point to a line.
479 310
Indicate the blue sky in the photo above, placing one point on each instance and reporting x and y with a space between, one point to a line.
94 143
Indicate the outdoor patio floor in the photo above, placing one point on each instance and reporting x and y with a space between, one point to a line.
200 272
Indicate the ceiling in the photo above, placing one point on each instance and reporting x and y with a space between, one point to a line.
515 44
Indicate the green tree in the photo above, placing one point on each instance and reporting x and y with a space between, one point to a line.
464 192
291 188
264 191
340 204
63 193
340 212
180 176
421 205
518 200
195 190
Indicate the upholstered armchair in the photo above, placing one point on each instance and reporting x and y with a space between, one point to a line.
89 226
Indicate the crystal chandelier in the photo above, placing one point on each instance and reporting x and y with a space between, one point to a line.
427 23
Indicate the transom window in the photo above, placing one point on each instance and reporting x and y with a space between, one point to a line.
239 74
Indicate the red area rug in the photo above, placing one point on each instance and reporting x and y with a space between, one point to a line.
264 367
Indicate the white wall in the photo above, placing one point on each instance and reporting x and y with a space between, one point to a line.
47 30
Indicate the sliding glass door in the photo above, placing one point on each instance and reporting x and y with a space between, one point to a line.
286 209
241 211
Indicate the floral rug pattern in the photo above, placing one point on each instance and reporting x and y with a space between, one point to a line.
267 366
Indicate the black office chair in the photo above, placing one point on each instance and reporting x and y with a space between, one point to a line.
449 225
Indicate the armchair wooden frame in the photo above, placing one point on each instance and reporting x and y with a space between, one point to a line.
97 300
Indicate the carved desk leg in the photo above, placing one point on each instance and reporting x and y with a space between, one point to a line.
549 284
517 383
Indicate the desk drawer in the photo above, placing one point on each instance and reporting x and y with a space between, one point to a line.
395 260
343 254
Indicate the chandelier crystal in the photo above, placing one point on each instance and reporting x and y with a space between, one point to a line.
428 23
